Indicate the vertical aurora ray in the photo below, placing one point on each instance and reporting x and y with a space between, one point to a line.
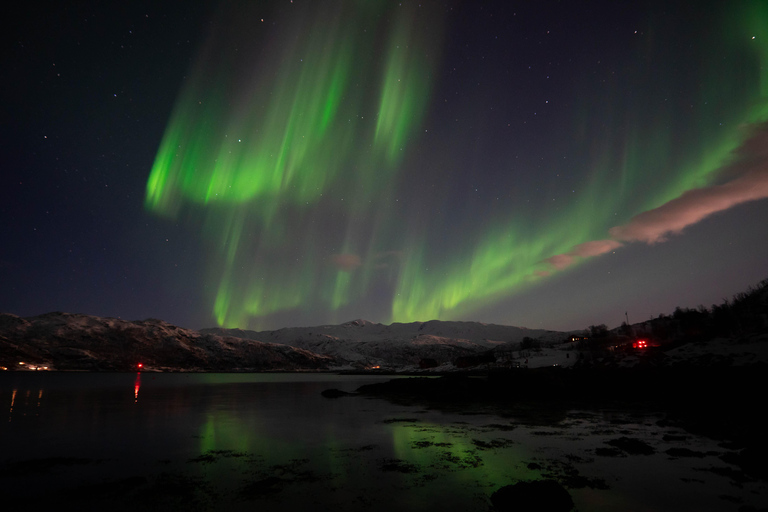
405 86
667 143
285 136
297 144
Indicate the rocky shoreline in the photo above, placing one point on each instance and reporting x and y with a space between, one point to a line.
719 403
722 404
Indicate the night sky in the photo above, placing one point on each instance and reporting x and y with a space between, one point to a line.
290 163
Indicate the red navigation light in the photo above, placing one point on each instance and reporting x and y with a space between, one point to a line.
140 365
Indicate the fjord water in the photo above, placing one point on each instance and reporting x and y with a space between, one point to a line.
272 442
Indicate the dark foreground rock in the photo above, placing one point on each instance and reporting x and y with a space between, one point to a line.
538 495
335 393
717 403
449 388
632 446
752 459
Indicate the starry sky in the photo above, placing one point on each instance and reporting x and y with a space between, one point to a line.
289 163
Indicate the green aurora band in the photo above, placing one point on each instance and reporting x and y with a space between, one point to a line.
288 147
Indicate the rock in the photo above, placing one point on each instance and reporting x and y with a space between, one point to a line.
537 495
335 393
632 446
684 452
751 460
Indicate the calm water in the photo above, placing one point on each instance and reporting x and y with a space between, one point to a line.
272 442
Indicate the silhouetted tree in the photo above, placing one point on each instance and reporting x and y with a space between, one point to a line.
625 329
529 343
598 331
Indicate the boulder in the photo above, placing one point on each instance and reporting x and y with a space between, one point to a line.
537 495
335 393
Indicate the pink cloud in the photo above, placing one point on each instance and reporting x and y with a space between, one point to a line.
585 250
749 173
346 262
594 248
671 218
560 261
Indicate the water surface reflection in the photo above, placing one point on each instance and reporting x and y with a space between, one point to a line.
241 441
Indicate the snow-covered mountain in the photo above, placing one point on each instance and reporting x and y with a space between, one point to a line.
363 330
65 341
365 344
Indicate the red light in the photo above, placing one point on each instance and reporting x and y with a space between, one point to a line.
141 365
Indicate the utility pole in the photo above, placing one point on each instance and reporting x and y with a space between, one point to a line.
630 330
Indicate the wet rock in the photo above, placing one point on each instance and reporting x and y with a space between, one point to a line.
577 481
669 438
685 452
493 444
400 420
609 452
335 393
497 426
739 477
399 466
538 495
568 476
632 446
752 460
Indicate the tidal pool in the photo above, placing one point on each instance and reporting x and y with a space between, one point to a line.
272 442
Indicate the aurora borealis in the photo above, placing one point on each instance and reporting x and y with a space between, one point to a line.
269 156
297 163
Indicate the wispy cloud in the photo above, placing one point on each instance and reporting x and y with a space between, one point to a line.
595 248
748 173
672 218
560 261
585 250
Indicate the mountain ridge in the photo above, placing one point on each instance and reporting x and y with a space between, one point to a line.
74 341
732 333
